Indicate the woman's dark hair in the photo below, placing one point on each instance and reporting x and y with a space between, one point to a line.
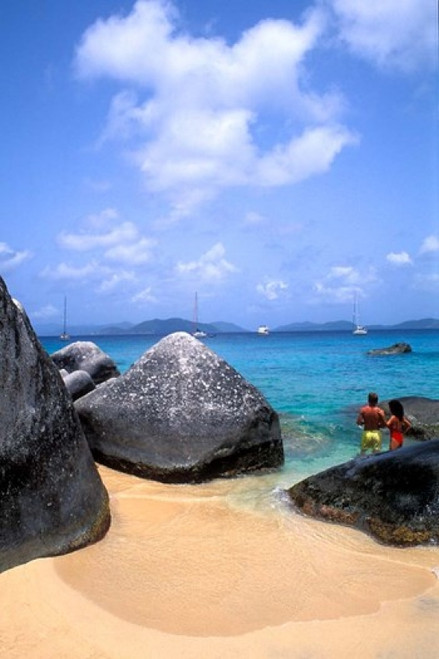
396 408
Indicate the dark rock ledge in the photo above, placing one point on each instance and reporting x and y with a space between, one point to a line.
393 496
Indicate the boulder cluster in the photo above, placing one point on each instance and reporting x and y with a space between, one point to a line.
180 414
83 366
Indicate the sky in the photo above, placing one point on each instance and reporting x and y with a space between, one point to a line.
276 157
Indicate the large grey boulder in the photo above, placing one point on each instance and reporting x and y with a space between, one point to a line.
86 356
394 496
181 414
52 499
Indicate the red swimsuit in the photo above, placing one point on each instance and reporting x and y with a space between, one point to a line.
397 436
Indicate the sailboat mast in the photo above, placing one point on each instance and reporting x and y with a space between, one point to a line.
195 317
65 316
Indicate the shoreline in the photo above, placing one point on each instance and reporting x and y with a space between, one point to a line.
185 571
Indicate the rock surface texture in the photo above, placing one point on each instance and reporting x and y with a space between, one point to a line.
394 496
86 356
181 414
52 499
395 349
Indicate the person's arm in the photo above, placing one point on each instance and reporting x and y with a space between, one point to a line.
360 419
382 417
406 424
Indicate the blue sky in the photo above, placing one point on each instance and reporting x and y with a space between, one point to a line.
278 157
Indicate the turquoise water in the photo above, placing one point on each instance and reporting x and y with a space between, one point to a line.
314 380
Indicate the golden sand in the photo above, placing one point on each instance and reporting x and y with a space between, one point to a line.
197 572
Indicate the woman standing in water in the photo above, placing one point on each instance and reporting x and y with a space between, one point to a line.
398 424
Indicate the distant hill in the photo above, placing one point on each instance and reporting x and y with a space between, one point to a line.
228 327
160 327
333 326
424 323
168 326
344 325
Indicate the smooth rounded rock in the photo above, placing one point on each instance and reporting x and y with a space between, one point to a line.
181 414
86 356
78 383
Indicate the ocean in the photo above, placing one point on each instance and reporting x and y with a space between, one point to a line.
316 381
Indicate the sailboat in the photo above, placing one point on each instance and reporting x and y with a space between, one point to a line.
196 332
64 336
359 330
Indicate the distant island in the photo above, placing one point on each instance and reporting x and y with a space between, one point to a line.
160 327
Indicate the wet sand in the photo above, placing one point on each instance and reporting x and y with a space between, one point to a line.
197 571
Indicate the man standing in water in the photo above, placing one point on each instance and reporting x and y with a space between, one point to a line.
372 418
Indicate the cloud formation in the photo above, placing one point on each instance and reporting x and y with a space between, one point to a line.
272 290
211 266
11 258
195 107
343 282
393 34
399 258
430 245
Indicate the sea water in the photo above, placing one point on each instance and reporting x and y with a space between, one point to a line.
316 381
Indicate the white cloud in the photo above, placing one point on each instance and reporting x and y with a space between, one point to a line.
116 278
143 296
311 153
348 274
273 289
84 241
64 271
113 240
399 258
133 254
252 218
429 245
48 311
335 294
211 266
343 282
10 258
197 132
399 34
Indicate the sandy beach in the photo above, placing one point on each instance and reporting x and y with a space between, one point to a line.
198 571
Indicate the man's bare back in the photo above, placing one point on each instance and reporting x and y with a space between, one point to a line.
371 417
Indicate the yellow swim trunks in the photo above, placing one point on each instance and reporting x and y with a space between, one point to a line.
371 440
